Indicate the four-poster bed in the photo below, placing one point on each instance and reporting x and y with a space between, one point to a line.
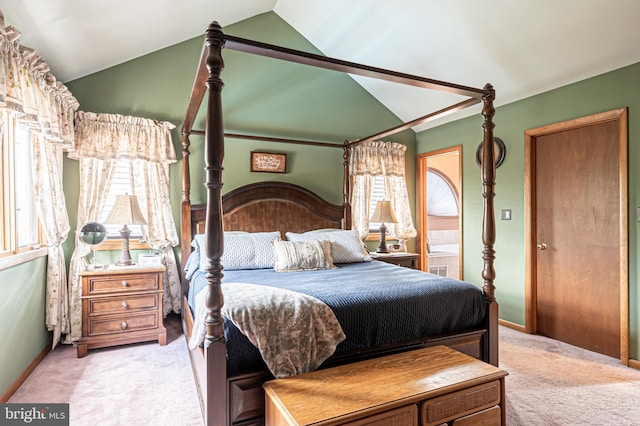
231 395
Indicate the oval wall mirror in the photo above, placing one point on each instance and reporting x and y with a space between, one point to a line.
93 234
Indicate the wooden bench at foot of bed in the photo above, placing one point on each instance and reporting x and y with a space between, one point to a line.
430 386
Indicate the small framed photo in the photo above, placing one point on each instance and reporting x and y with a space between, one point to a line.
268 162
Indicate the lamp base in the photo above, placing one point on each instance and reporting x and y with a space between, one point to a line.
383 240
125 256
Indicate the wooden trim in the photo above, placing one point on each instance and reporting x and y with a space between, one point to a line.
319 61
634 364
9 259
274 139
421 187
530 295
530 135
116 244
418 121
423 218
624 234
512 325
25 374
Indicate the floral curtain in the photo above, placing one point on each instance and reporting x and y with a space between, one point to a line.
151 180
31 94
387 159
96 176
52 212
100 139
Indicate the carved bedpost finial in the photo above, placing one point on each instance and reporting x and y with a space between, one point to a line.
215 42
488 175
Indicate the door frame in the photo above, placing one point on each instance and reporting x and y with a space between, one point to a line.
422 213
530 136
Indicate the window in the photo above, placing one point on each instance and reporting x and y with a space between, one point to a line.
121 185
442 198
20 230
377 195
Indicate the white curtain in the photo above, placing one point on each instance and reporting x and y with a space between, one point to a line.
30 93
387 159
101 139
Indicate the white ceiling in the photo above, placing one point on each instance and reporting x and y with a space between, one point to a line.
521 47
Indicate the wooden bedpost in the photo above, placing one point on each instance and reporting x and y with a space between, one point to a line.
185 233
346 187
216 412
488 175
488 169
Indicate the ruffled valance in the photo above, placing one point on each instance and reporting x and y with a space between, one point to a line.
378 158
31 93
110 136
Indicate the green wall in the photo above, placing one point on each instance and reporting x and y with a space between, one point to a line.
22 331
606 92
260 96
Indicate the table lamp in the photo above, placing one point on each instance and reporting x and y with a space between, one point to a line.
126 211
382 214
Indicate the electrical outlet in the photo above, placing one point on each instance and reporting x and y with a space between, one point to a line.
506 214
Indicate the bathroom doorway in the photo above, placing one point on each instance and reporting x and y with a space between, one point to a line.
440 211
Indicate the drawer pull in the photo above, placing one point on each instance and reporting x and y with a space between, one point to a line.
124 325
125 284
125 304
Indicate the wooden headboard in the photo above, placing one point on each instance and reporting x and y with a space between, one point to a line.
272 206
266 206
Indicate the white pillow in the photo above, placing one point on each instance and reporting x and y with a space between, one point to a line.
292 256
243 250
346 245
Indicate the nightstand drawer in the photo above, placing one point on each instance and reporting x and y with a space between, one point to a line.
119 305
121 324
124 283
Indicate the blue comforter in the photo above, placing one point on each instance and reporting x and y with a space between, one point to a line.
375 302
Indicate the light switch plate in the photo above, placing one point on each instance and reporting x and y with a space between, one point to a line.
506 214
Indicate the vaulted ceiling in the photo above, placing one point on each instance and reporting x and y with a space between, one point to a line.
521 47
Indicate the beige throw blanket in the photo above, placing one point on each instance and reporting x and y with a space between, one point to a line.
294 332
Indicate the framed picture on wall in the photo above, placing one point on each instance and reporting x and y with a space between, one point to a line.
268 162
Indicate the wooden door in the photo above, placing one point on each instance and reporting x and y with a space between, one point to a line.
577 235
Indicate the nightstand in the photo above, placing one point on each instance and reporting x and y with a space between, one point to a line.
121 305
408 260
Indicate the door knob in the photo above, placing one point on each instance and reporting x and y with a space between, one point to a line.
541 246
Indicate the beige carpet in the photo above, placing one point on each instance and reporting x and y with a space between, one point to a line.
553 383
141 384
549 383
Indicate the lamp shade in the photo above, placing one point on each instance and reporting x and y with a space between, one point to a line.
383 213
126 211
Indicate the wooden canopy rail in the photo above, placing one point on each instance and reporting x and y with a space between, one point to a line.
209 72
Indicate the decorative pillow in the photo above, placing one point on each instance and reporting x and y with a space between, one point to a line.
294 256
243 250
346 245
